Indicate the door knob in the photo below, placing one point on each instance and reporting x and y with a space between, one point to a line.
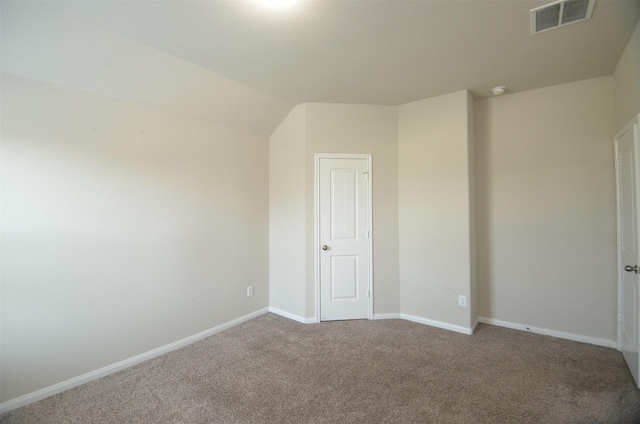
325 247
630 268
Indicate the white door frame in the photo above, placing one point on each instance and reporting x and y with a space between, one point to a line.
628 127
316 205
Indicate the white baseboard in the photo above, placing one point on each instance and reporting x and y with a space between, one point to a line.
386 316
292 316
438 324
553 333
118 366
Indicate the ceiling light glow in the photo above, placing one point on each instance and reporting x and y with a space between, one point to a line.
277 4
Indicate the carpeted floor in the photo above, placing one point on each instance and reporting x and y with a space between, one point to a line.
273 370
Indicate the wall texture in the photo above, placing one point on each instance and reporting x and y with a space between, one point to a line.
435 208
123 229
546 208
626 82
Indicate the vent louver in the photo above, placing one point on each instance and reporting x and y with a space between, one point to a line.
560 13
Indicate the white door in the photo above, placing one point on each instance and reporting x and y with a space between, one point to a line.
344 237
627 165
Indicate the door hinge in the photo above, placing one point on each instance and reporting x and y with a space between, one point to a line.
366 174
619 316
368 293
368 234
617 164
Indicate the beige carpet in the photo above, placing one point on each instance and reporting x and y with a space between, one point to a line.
273 370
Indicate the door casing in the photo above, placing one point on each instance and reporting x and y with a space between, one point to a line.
316 207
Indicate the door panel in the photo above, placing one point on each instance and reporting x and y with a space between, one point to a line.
343 214
626 156
343 201
344 277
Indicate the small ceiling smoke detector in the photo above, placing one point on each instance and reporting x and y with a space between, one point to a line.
560 13
498 90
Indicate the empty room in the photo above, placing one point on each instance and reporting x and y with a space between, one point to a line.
314 211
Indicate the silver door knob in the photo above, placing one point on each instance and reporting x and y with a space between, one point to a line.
630 268
325 247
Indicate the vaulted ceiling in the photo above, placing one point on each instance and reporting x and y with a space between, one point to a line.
377 52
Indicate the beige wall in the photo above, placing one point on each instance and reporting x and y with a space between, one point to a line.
546 208
123 229
287 225
343 128
626 82
435 209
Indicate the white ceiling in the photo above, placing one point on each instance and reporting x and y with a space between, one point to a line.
380 52
237 64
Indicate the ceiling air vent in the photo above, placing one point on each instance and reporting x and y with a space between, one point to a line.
560 13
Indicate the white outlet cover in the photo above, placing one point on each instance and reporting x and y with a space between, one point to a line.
462 301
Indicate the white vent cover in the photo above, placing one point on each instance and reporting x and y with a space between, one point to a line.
560 13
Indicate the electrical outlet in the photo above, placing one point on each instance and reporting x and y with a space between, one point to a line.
249 291
462 301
